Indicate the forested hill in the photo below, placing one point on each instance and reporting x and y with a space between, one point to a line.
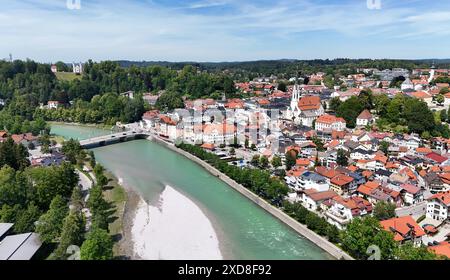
96 95
286 67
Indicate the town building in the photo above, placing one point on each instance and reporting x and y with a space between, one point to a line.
343 210
438 206
329 123
405 230
304 110
364 119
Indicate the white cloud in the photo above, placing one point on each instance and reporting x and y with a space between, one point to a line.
146 30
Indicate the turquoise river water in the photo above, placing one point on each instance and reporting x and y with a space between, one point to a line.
245 231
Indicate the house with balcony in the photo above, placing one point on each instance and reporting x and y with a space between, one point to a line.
343 184
411 194
312 199
311 180
438 206
344 210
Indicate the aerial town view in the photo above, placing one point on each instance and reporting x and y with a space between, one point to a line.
224 130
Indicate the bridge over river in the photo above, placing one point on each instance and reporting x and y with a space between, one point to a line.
113 139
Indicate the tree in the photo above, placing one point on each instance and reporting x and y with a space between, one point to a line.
444 91
52 181
276 162
169 101
381 103
282 86
397 82
335 103
99 172
419 117
384 210
440 99
96 202
72 234
98 246
263 162
342 158
92 159
366 98
333 234
350 110
395 109
384 147
15 188
411 253
101 220
71 150
363 233
443 116
255 160
25 221
319 143
50 224
13 155
76 199
291 159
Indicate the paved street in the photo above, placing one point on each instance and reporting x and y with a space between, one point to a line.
416 210
85 182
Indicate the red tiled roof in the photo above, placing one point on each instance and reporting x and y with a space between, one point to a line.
341 180
410 188
423 150
420 95
208 146
437 158
329 119
367 173
303 162
365 190
365 115
308 103
442 249
296 172
167 120
328 173
402 226
320 196
337 134
442 197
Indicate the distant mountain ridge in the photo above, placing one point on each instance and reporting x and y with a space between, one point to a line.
282 63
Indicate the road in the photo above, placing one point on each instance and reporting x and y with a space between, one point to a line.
416 210
85 182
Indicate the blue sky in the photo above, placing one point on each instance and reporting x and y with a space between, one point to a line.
223 30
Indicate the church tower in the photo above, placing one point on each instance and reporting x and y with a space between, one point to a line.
432 73
295 98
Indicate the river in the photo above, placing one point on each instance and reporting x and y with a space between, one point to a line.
245 231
